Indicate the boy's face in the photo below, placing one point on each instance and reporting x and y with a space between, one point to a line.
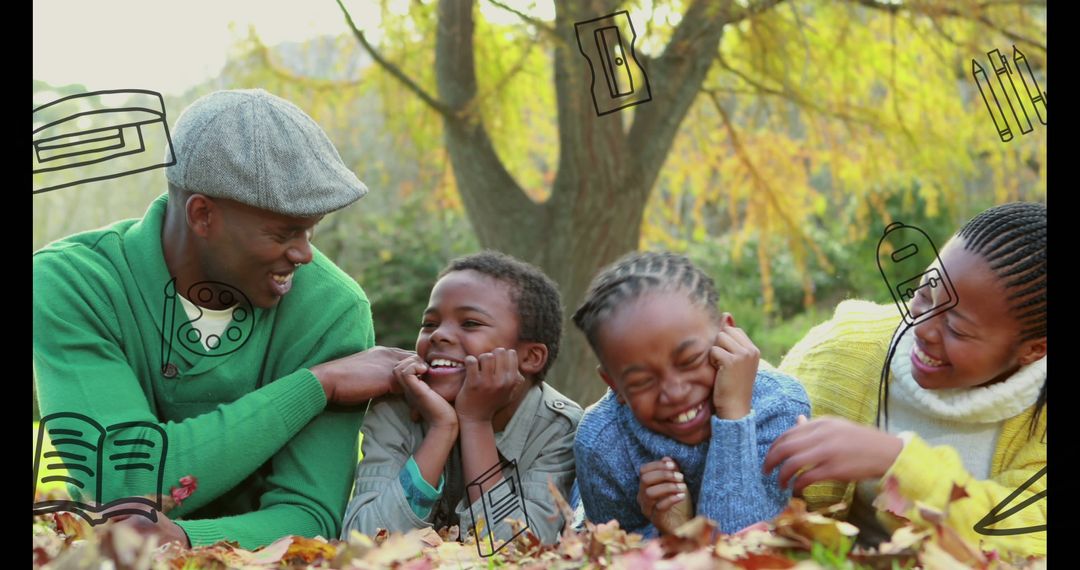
469 313
975 342
655 355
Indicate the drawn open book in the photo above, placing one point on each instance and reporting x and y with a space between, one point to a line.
102 466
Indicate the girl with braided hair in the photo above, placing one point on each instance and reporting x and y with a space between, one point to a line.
965 394
689 416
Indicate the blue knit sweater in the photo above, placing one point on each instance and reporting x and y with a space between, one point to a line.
723 473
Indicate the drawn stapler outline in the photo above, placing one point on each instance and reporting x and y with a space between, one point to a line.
910 262
498 502
1003 72
613 38
1039 98
130 122
1000 123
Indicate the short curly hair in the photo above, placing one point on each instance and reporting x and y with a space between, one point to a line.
534 294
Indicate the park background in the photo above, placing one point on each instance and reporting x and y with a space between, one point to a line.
781 138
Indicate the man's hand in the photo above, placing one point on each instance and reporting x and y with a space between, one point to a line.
663 496
359 377
736 361
831 449
165 529
491 382
437 412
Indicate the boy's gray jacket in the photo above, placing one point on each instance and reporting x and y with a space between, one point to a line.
540 437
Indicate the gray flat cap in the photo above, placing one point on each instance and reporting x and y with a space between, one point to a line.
261 150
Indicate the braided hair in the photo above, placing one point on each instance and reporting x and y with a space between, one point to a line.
635 274
535 296
1012 239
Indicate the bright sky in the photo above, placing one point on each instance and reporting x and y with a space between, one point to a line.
171 46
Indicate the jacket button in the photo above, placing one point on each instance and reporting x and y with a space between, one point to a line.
559 404
170 370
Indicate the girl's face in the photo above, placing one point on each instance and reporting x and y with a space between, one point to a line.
468 314
654 353
974 343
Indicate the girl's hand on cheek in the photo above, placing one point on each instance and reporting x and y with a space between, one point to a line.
831 448
735 358
491 382
663 495
436 411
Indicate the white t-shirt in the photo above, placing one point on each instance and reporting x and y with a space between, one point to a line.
211 324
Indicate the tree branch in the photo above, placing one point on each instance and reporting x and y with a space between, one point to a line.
760 181
675 79
393 69
539 24
494 202
955 13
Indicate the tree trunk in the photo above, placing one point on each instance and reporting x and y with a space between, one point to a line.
605 173
607 164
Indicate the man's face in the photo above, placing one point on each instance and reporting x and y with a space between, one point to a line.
254 250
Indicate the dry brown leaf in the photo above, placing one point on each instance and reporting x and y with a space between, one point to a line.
396 548
933 557
71 526
890 500
269 554
809 527
641 559
903 539
765 561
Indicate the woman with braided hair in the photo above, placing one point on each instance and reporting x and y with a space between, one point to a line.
964 397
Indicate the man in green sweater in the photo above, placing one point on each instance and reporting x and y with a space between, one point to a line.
216 319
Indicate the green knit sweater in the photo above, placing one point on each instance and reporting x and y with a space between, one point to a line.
252 426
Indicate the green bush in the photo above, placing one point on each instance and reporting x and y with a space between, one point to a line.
395 251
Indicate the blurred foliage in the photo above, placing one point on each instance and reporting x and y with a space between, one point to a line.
396 257
820 124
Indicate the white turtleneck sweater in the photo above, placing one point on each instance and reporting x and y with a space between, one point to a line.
966 419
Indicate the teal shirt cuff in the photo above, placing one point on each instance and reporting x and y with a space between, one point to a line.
420 494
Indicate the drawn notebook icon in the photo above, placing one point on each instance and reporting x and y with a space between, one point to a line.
608 44
909 262
502 501
102 466
86 137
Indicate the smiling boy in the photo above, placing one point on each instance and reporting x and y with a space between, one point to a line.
473 397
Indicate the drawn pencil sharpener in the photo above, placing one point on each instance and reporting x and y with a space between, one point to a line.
502 501
909 263
99 135
618 80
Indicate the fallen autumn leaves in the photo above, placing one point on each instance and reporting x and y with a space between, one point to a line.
794 539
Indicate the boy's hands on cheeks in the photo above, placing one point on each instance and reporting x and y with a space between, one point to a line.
491 382
735 358
437 412
831 448
663 496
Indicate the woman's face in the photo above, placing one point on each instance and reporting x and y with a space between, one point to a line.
976 342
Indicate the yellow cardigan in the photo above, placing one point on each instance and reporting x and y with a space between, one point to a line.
839 363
